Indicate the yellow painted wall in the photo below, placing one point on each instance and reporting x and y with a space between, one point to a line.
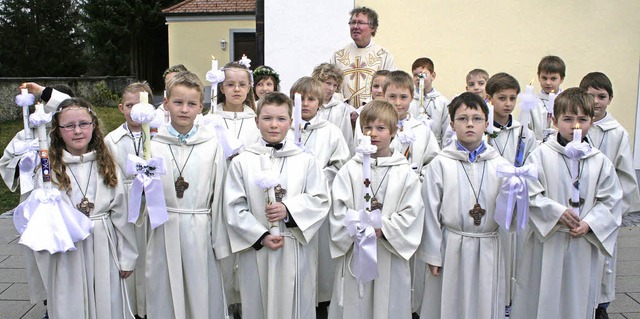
192 43
512 36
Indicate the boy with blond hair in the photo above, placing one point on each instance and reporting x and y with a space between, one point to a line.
395 195
325 142
126 139
562 247
333 109
183 275
476 82
607 135
431 107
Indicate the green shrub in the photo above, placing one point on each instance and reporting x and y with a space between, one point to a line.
103 96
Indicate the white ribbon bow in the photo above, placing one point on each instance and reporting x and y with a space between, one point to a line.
45 222
575 150
39 118
148 180
143 113
406 137
29 152
514 192
24 100
230 144
361 227
215 76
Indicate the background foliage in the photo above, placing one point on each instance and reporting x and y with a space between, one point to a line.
84 37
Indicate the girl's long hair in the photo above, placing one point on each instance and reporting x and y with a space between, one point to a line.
106 164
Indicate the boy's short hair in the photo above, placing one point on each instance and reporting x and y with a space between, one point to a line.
478 72
266 72
187 79
370 13
275 98
400 79
423 63
327 71
174 69
382 111
501 81
572 100
597 80
307 85
552 64
470 100
137 87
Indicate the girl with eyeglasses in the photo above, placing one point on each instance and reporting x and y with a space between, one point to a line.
86 283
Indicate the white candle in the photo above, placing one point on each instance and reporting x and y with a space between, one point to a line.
575 190
265 163
44 150
421 90
524 113
552 100
297 118
366 172
490 119
25 116
214 86
146 130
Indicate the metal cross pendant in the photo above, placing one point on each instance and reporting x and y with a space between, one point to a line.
375 204
85 206
280 192
477 212
181 185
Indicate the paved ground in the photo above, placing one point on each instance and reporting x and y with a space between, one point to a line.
14 301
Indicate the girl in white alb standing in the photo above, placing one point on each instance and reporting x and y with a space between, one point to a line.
86 283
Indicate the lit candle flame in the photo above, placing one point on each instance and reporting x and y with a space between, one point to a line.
577 126
532 80
213 57
23 85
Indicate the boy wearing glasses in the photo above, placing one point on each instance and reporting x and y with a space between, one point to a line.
460 243
362 58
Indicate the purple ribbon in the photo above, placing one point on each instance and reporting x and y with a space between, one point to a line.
148 180
361 226
514 193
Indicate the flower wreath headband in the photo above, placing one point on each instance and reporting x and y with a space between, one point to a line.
217 76
265 71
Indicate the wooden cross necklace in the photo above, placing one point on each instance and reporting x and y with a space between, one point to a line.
375 204
278 190
181 185
477 211
85 206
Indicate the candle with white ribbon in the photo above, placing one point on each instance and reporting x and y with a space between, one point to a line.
528 102
490 119
146 129
214 86
25 115
421 90
575 189
265 163
365 142
44 149
297 118
552 100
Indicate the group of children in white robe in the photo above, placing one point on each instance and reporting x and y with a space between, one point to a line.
434 179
